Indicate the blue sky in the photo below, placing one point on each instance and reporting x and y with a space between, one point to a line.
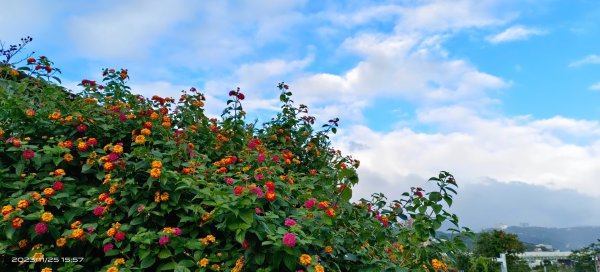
502 93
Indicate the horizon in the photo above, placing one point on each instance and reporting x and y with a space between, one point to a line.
502 94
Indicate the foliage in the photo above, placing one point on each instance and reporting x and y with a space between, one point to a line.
584 258
106 180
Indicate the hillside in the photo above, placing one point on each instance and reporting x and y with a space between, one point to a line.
563 239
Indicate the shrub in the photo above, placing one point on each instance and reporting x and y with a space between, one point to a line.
107 180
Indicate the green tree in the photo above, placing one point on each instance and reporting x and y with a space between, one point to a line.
584 258
495 242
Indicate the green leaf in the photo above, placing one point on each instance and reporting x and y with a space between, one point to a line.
247 216
147 262
167 266
164 253
346 194
137 220
86 168
289 262
435 196
9 232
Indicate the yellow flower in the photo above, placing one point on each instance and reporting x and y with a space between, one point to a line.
140 139
305 259
145 132
438 265
205 216
155 172
43 201
47 216
156 164
203 262
319 268
119 261
154 116
112 189
7 209
48 191
112 269
117 149
328 249
37 257
46 269
77 233
60 242
36 247
211 238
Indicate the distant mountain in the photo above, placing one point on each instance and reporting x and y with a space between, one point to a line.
563 239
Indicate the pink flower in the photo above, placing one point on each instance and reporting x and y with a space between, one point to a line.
120 236
28 154
259 176
228 180
41 228
122 117
309 204
261 157
258 192
257 210
177 231
275 158
289 239
58 185
163 240
91 230
252 145
108 247
99 211
141 208
290 222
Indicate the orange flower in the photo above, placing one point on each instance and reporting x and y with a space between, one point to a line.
17 222
23 243
270 195
30 113
154 116
164 197
112 269
7 209
140 139
68 157
102 197
75 224
60 242
146 132
331 212
77 233
109 201
108 166
43 201
319 268
203 262
328 249
47 216
117 149
119 261
54 116
111 232
156 164
38 256
305 259
48 192
155 172
59 172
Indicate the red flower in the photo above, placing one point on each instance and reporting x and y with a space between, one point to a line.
231 93
81 128
120 236
310 203
241 96
270 185
238 190
48 69
58 185
99 211
108 247
30 60
28 154
270 195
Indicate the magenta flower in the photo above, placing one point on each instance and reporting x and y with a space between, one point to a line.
258 192
99 211
289 239
257 210
177 231
290 222
41 228
261 157
108 247
259 176
123 117
309 204
163 240
81 128
58 185
275 158
113 156
228 180
91 230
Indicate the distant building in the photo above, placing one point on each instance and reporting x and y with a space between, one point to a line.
543 247
524 225
501 226
535 258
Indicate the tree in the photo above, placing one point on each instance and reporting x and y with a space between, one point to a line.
584 258
493 243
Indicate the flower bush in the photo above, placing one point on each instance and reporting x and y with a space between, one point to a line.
106 180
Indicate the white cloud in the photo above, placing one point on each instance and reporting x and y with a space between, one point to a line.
595 86
475 148
515 33
589 59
